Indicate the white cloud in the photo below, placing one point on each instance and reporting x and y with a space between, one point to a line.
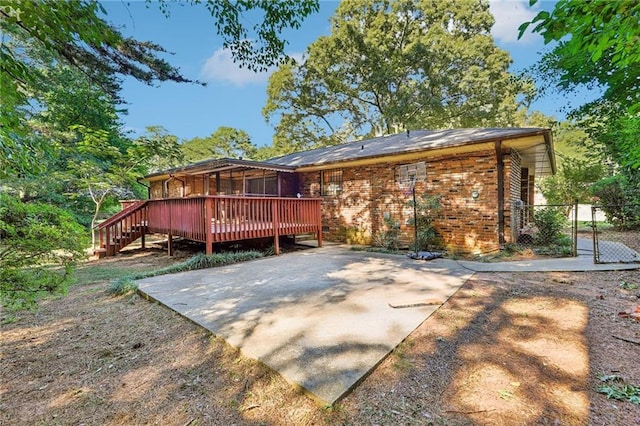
220 67
509 15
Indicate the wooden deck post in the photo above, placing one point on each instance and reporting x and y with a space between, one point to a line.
319 213
207 226
170 240
276 226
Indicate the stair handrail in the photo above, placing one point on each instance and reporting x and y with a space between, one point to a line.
122 214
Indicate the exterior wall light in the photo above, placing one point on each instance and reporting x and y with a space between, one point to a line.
475 194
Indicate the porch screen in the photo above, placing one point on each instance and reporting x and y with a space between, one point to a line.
229 187
263 186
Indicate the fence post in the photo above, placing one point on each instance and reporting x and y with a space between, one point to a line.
575 228
594 232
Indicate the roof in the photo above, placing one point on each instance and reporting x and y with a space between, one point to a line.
413 141
534 145
217 165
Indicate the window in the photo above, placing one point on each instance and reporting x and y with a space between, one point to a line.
331 182
263 186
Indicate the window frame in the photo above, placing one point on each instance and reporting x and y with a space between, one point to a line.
331 182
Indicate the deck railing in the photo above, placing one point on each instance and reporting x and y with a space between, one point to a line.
216 219
123 228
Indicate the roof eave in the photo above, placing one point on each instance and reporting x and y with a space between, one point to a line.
462 147
211 166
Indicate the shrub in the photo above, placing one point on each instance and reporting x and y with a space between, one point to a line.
388 239
549 222
39 247
427 209
357 235
620 200
126 284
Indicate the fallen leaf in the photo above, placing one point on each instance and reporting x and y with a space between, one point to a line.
505 394
631 313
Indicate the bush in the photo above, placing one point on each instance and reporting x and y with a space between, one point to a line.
549 222
389 239
427 209
39 246
357 235
620 200
126 284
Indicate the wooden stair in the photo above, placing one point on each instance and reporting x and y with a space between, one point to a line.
122 229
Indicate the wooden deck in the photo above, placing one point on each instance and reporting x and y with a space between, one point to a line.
212 219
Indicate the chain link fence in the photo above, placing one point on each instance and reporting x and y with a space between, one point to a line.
616 233
547 229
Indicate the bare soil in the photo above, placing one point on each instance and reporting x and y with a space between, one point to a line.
506 349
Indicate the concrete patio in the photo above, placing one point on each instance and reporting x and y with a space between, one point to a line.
323 318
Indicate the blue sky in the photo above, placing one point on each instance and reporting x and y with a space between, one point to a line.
234 97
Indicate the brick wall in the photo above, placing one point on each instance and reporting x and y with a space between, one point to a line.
370 193
155 189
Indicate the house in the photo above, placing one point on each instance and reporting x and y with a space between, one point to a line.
478 174
360 187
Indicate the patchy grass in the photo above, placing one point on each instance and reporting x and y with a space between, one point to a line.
92 274
122 286
628 286
125 284
372 249
616 388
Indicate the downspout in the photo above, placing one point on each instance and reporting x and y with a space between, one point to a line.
500 172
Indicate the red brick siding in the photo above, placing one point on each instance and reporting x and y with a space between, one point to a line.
155 189
370 192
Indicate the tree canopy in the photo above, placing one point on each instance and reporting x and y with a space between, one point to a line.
226 142
64 155
393 65
77 34
597 47
597 44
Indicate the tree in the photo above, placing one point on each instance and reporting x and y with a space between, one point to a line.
391 65
158 150
104 168
36 238
226 142
597 45
74 33
60 139
572 182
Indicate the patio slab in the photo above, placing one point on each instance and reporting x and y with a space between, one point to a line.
323 317
620 257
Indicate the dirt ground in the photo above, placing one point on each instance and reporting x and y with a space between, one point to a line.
506 349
